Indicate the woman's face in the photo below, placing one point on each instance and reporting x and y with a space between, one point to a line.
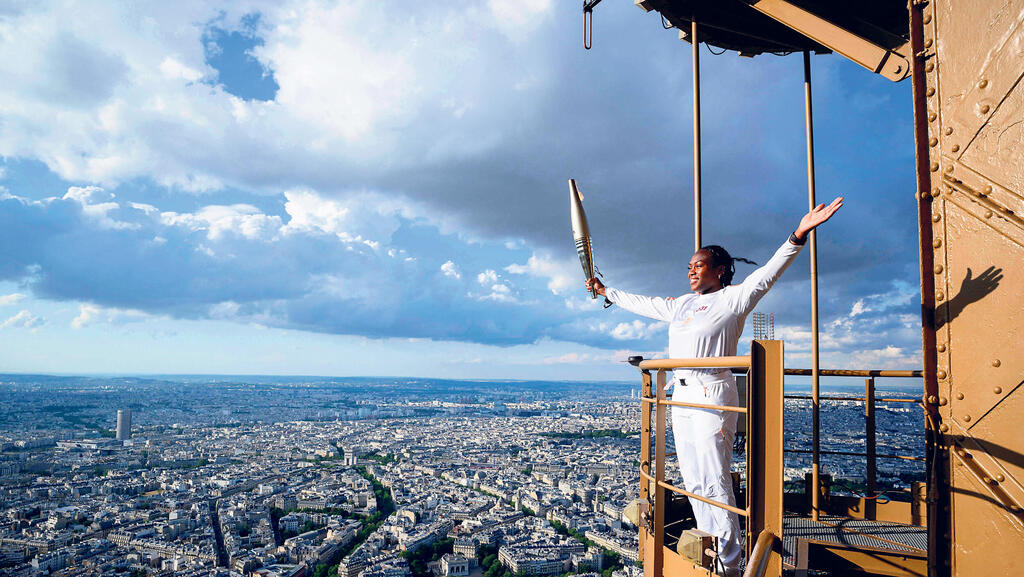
703 276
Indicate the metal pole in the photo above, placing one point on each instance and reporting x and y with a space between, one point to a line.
660 496
872 455
815 392
696 135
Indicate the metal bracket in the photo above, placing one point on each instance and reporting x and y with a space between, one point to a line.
875 58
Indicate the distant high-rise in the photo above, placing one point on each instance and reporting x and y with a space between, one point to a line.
124 424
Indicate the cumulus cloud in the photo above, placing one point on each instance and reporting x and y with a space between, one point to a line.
450 269
636 330
489 276
23 320
559 273
90 314
7 300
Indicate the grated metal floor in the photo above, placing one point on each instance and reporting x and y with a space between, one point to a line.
910 536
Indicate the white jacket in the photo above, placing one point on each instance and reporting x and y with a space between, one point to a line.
708 325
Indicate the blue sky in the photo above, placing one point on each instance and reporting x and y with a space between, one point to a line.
377 188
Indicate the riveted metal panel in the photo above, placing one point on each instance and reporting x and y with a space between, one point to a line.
971 56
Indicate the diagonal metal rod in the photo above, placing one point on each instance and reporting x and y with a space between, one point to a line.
695 43
815 367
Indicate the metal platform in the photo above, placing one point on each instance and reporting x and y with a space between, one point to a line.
851 532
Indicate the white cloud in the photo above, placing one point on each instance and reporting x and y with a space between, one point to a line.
636 330
450 269
500 293
90 314
7 300
559 273
175 70
24 320
489 276
218 220
98 212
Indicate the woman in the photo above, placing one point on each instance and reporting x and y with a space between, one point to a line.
708 323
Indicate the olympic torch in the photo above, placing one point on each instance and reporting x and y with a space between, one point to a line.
581 233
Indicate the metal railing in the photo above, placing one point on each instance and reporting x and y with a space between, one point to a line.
869 399
762 509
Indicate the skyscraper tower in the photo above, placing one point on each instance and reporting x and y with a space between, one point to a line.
124 424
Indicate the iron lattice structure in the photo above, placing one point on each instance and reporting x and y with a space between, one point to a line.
764 326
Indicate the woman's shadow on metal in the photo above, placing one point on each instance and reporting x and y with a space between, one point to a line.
971 290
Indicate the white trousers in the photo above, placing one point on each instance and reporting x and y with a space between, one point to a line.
704 447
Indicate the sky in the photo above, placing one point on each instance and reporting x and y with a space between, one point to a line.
379 188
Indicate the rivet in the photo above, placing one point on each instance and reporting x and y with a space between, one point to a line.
936 218
935 193
948 130
997 390
996 362
940 296
934 166
988 214
955 147
929 67
941 348
982 83
925 195
959 396
933 141
927 18
967 418
932 116
928 43
943 401
937 243
929 92
1000 477
987 189
932 399
938 269
949 168
985 108
940 373
986 479
943 427
960 451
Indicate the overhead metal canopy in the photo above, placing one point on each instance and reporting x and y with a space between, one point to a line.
873 33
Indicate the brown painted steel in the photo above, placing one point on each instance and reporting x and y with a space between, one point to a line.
856 373
645 461
971 133
841 559
689 495
757 566
695 42
726 408
658 545
871 467
706 363
815 362
764 455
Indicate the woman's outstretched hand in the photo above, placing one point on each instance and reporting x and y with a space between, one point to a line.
817 216
596 286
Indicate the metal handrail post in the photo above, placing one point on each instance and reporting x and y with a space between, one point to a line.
764 459
815 408
659 477
696 136
645 459
871 448
645 436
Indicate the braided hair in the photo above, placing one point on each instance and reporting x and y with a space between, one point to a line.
721 257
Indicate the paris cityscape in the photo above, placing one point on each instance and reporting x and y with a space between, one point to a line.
205 476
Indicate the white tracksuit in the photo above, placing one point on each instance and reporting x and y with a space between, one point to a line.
708 325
